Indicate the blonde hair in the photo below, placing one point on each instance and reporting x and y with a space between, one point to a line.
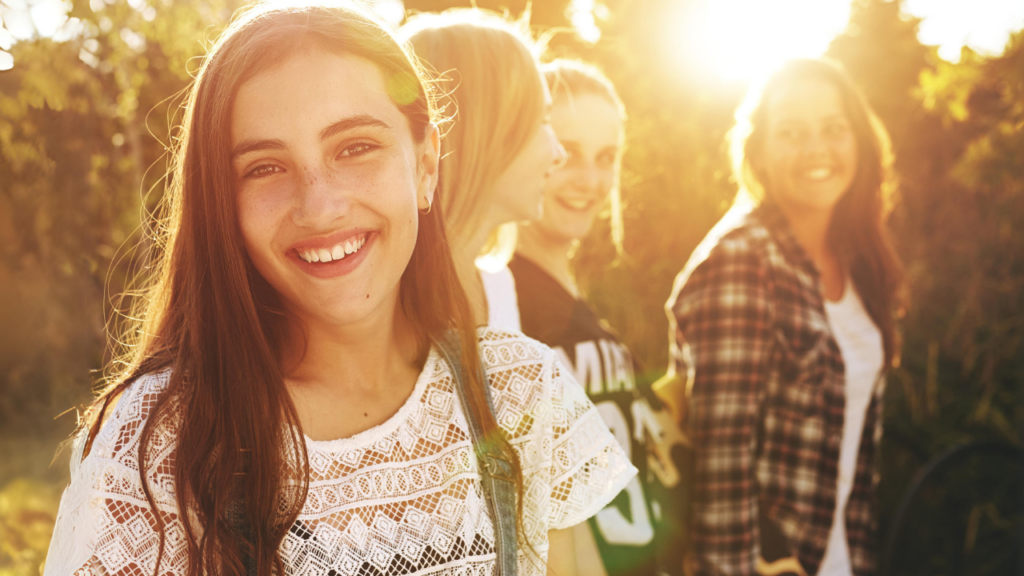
571 78
487 71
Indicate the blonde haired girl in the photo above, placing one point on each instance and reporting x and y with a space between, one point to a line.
641 533
499 147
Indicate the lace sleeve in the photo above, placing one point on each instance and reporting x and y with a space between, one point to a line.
572 465
588 467
106 526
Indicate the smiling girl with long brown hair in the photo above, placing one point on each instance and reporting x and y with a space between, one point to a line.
783 326
307 394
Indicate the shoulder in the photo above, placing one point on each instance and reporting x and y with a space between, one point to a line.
740 235
505 349
107 510
521 371
502 303
127 415
546 309
739 250
534 395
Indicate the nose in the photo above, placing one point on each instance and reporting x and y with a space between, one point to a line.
320 199
589 178
816 146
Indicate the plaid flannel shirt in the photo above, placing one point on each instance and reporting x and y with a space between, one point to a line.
765 402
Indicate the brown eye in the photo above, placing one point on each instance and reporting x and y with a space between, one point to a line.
357 149
836 129
264 170
789 134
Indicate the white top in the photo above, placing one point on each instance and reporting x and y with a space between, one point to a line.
860 343
406 491
502 303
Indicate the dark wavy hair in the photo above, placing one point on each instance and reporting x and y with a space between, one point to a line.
860 237
208 315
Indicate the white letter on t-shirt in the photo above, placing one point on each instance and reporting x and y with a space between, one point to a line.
588 367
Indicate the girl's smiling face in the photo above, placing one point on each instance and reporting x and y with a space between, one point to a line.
589 127
809 152
328 182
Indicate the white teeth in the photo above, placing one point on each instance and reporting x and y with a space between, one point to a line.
819 173
576 204
336 252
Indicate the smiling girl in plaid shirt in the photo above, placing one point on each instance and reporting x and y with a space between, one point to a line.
783 322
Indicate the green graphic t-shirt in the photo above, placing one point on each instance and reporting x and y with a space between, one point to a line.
640 532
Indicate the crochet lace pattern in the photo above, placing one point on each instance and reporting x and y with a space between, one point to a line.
400 498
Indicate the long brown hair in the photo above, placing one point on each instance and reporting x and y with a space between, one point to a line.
496 96
860 237
209 316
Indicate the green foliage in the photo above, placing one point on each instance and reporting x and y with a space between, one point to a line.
27 513
84 127
957 132
83 130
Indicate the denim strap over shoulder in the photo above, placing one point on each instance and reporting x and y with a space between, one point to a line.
496 475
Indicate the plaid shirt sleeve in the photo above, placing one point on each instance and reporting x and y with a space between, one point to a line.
723 318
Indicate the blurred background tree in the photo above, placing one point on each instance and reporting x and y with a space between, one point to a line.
86 117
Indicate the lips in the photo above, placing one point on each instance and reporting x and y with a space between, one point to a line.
576 205
336 252
334 255
819 174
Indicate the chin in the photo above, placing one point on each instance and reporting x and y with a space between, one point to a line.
826 203
815 200
345 314
567 234
579 226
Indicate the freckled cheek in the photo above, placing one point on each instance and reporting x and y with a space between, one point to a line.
557 181
778 167
392 193
849 155
262 212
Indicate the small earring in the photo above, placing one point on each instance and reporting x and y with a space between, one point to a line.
429 206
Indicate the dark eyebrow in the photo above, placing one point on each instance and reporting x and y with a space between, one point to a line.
357 121
247 146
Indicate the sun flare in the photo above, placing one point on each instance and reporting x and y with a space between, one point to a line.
740 39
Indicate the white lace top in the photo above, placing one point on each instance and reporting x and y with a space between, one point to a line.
402 497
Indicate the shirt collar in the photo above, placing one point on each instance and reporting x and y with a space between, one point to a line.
771 216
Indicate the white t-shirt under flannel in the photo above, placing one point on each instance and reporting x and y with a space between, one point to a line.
401 497
860 343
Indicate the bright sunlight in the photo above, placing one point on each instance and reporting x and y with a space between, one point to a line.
742 38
